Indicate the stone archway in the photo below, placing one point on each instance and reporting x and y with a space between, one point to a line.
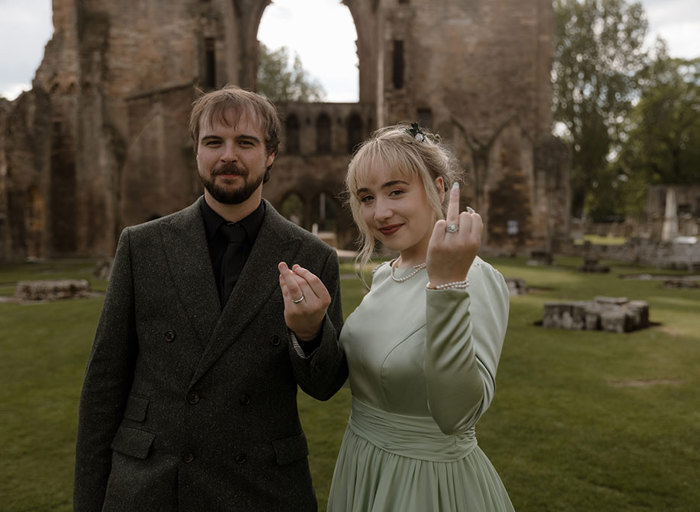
242 42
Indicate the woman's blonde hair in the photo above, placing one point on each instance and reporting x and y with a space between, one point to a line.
410 151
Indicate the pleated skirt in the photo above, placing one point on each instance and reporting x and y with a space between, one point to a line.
392 462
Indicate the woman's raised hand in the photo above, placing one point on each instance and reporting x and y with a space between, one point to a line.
454 243
306 300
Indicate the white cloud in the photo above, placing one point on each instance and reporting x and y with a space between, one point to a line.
678 23
25 28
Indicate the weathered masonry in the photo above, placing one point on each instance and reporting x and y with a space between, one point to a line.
101 141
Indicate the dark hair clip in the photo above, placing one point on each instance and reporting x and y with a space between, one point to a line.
415 132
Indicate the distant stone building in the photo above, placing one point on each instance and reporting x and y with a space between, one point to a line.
100 142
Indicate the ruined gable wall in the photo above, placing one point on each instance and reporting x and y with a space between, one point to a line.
481 69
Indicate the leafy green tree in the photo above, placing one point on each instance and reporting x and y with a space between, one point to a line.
663 142
598 54
282 82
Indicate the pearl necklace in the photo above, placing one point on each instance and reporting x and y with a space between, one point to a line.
416 269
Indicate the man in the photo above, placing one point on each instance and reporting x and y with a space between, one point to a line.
189 398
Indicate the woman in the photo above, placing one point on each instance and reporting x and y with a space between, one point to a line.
424 344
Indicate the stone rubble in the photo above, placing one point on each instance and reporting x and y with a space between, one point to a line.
611 314
52 290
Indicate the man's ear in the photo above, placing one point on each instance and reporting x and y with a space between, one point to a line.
270 159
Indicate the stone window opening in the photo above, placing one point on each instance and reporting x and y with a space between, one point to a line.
354 132
323 134
425 118
210 63
398 64
293 208
292 135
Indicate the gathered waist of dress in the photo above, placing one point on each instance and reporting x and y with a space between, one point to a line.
416 437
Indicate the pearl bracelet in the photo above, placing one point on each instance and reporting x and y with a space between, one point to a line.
447 286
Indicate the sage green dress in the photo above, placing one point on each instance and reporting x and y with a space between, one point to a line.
422 372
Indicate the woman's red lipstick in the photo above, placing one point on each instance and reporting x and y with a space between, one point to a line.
390 230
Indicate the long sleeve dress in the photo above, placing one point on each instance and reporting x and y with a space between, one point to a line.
422 372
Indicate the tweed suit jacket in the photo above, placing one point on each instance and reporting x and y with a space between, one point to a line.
185 407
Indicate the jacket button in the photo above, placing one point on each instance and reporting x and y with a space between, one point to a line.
193 397
169 336
187 458
241 458
244 399
274 340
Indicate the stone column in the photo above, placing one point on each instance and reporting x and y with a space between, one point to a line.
670 228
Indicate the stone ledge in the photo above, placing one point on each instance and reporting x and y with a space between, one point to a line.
611 314
52 290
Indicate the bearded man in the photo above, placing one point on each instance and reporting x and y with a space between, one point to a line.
213 317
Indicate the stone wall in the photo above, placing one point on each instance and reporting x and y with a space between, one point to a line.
101 141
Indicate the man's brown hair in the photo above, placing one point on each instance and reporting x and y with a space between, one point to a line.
215 105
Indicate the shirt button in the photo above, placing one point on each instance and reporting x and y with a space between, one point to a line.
169 336
241 458
193 398
244 399
274 340
187 458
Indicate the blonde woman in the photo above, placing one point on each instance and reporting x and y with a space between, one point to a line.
423 346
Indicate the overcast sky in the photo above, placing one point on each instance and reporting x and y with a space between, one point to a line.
322 34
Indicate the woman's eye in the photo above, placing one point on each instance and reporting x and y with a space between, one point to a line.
366 199
397 192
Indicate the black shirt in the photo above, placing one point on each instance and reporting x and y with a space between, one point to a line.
217 242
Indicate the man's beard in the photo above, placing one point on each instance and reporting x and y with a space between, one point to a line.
227 195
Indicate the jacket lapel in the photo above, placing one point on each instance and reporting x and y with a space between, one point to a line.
185 245
257 282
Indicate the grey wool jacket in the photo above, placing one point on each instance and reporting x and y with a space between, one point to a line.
185 407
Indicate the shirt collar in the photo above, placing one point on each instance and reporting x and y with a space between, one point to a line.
251 224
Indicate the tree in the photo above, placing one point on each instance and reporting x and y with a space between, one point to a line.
663 142
280 82
597 56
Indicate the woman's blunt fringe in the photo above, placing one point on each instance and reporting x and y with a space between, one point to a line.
410 150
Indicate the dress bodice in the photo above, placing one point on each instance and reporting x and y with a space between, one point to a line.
384 341
404 343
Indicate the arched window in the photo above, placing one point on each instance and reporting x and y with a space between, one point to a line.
354 132
292 208
210 62
398 64
292 135
323 134
324 212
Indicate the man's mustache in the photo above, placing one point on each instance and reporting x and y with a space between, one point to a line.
229 169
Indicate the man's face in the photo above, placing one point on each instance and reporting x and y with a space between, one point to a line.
231 157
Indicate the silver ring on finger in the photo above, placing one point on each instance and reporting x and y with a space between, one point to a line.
452 228
297 301
469 209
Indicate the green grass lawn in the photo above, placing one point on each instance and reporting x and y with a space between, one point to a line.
581 421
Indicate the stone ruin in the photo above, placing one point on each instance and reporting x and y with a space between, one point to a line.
52 290
611 314
516 286
101 141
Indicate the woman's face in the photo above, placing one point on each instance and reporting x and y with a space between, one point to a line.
397 211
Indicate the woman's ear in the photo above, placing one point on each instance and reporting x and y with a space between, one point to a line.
440 186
